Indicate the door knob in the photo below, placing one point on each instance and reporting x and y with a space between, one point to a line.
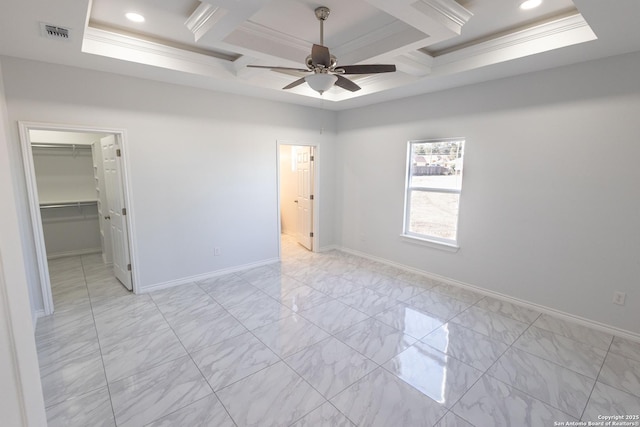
295 201
107 217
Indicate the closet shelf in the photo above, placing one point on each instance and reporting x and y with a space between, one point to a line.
69 204
72 146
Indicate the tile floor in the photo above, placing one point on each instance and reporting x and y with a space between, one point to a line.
318 340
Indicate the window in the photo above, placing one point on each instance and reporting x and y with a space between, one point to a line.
434 182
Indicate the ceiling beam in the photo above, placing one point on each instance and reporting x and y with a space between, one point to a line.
440 19
214 20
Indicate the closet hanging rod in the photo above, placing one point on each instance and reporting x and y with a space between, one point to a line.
72 146
67 205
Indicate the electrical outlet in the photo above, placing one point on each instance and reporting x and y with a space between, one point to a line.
619 297
217 251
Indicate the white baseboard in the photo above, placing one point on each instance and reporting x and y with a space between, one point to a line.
35 316
503 297
204 276
327 248
104 259
79 252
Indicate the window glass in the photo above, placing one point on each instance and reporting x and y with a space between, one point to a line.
434 184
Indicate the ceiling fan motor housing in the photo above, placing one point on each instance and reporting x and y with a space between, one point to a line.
322 13
323 65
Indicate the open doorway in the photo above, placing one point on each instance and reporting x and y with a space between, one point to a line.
298 193
76 183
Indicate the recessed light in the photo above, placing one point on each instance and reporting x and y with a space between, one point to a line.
530 4
134 17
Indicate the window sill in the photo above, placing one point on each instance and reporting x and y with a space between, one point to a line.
448 247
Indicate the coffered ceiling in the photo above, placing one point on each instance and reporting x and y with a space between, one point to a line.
435 44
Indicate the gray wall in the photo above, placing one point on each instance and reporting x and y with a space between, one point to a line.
203 170
20 387
550 206
550 212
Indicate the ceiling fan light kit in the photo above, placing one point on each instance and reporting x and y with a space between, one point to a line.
321 82
324 69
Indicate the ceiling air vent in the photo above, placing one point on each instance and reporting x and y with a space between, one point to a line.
55 32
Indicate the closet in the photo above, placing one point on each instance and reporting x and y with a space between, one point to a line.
80 198
66 181
76 182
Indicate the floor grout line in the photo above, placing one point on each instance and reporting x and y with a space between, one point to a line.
194 363
99 345
596 380
300 267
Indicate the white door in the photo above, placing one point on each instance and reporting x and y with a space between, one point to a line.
116 221
304 170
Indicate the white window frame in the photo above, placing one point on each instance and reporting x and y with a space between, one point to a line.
428 240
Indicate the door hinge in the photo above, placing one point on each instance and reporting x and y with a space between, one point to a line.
312 158
118 153
124 211
311 234
311 197
128 267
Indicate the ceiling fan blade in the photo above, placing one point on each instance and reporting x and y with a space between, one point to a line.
294 84
320 55
347 84
274 68
366 69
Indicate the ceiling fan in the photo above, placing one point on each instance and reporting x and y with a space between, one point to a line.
322 67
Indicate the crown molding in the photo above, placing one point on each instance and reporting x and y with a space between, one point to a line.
256 30
107 43
556 34
448 12
389 40
260 44
564 26
214 20
440 19
415 63
264 40
203 19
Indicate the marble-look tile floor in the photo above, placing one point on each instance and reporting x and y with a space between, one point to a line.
324 339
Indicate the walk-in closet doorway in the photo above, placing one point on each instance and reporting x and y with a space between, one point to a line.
78 198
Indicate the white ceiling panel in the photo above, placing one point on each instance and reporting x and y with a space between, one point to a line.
434 44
